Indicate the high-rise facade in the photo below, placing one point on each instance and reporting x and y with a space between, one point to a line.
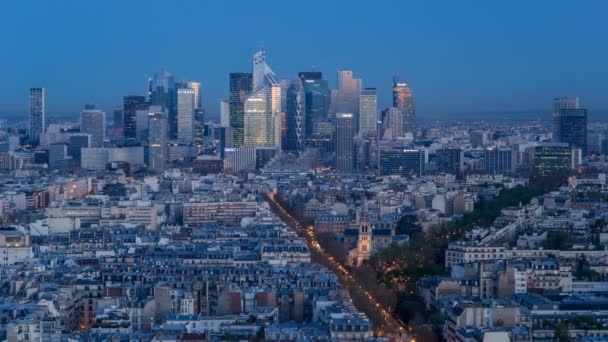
262 108
118 122
131 104
295 104
559 103
404 100
402 162
392 123
162 92
368 112
157 140
347 97
499 161
450 160
37 115
317 126
186 104
344 143
571 128
93 122
240 87
552 159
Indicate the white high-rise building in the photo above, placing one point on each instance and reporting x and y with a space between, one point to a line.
262 119
93 122
186 103
347 95
368 112
224 113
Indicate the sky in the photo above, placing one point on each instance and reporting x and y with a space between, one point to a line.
458 56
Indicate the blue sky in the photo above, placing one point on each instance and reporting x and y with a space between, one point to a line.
459 56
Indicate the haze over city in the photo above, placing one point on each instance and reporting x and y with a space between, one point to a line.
459 58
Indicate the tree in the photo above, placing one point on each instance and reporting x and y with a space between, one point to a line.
562 333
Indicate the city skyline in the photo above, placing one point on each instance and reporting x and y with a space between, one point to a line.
449 71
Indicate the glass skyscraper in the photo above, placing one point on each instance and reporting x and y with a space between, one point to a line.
404 100
344 143
37 115
131 104
294 112
157 141
93 122
368 112
162 92
347 96
571 128
240 87
186 103
316 106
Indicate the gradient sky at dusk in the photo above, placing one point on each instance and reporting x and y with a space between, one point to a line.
459 56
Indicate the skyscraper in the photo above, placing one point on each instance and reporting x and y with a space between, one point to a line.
131 104
262 108
37 115
316 105
240 87
344 143
118 122
392 122
199 120
347 97
571 128
197 88
162 92
157 140
93 122
294 112
186 103
404 100
368 112
559 103
552 159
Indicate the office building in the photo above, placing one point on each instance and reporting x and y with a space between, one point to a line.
347 96
239 159
58 155
571 128
552 159
94 159
404 100
262 108
368 112
185 114
118 122
157 141
240 87
162 92
93 122
37 115
344 143
402 162
450 160
499 161
131 104
224 113
316 104
478 138
559 103
294 117
77 143
392 123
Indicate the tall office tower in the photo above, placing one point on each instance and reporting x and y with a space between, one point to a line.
347 97
262 109
392 123
552 159
131 104
58 153
224 113
404 100
162 92
368 112
77 143
402 162
450 160
197 87
118 122
571 128
93 122
316 106
499 161
37 115
560 103
186 101
344 143
294 112
199 120
157 140
240 87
